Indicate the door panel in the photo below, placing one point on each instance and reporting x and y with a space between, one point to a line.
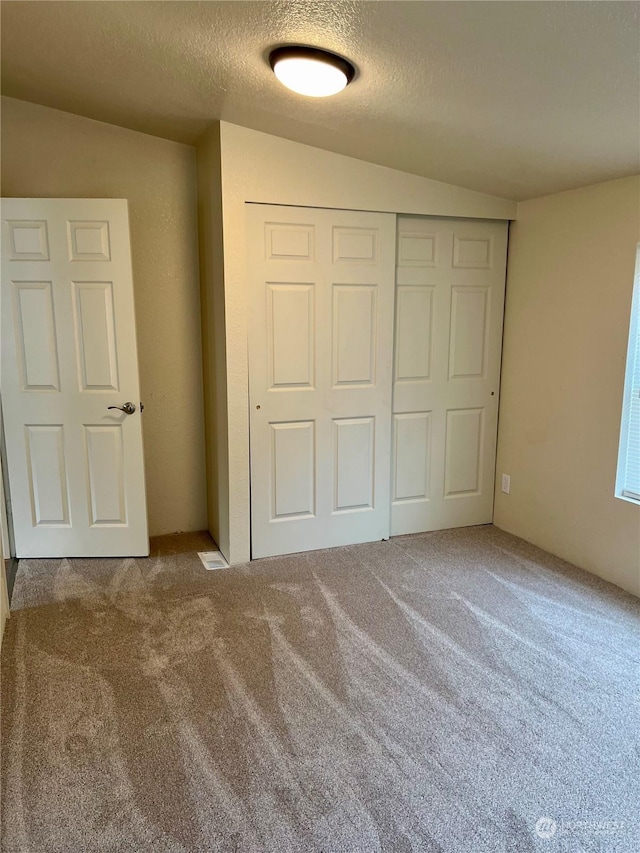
293 447
463 452
47 469
28 240
291 331
105 464
354 442
89 241
354 334
95 335
449 306
75 467
35 331
321 289
468 335
411 456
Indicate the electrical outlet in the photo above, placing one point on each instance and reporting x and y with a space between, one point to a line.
506 484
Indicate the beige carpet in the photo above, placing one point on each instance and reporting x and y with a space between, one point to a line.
444 692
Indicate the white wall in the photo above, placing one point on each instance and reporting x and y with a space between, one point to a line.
48 153
213 333
569 285
257 167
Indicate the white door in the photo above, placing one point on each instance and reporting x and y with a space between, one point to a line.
321 290
76 476
449 307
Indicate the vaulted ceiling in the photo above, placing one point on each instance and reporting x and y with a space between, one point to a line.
518 99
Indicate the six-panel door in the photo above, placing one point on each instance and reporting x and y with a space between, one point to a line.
75 467
321 289
450 281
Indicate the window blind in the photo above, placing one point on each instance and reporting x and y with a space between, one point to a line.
628 478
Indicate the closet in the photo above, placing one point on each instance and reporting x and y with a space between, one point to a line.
374 360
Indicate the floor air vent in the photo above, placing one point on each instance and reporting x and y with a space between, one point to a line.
213 560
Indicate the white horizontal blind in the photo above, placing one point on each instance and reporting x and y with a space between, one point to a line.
628 478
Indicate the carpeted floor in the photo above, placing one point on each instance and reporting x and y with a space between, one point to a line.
459 692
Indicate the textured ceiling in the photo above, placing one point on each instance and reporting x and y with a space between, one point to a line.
518 99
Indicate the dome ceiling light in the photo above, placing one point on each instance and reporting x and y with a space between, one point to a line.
311 71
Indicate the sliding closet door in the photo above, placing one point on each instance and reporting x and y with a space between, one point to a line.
321 293
448 338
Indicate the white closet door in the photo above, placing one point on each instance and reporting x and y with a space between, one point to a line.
321 291
75 465
450 281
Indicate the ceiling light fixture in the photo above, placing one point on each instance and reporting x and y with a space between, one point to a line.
311 71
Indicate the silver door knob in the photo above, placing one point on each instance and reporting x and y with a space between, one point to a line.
128 408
